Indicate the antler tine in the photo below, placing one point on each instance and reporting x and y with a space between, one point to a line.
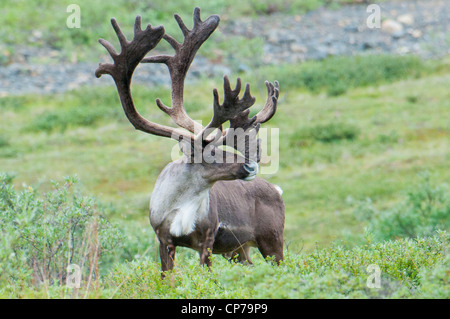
179 65
182 26
197 20
250 126
122 71
266 113
232 106
269 109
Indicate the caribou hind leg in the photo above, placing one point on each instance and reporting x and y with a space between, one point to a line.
271 246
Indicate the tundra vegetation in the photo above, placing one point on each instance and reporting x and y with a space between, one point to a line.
364 166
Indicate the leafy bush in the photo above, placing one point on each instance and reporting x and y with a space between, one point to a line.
95 15
409 268
15 102
6 149
434 281
336 75
425 210
327 133
87 107
4 142
42 235
69 117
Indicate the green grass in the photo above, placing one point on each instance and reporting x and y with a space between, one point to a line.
409 268
43 22
371 141
35 226
383 140
336 75
327 133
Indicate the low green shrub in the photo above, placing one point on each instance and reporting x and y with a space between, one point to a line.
69 117
15 102
42 234
87 107
425 209
336 75
326 133
4 141
96 14
408 268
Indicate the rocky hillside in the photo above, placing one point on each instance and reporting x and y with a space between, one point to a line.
408 27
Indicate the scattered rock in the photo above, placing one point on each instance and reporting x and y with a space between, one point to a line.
392 27
416 33
398 35
298 48
351 28
421 28
406 19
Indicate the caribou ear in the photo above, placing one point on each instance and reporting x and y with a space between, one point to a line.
187 148
192 149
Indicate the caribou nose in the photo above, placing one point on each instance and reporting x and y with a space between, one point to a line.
252 169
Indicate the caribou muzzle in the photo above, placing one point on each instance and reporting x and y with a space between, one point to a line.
251 169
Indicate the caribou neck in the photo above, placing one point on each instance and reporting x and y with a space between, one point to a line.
180 197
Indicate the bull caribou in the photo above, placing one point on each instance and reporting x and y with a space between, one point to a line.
210 199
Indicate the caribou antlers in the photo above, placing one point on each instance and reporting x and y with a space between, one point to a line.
122 71
179 64
233 109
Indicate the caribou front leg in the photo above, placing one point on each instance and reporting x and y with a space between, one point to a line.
167 255
206 248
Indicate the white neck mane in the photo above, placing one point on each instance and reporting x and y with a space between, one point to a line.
188 213
179 194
